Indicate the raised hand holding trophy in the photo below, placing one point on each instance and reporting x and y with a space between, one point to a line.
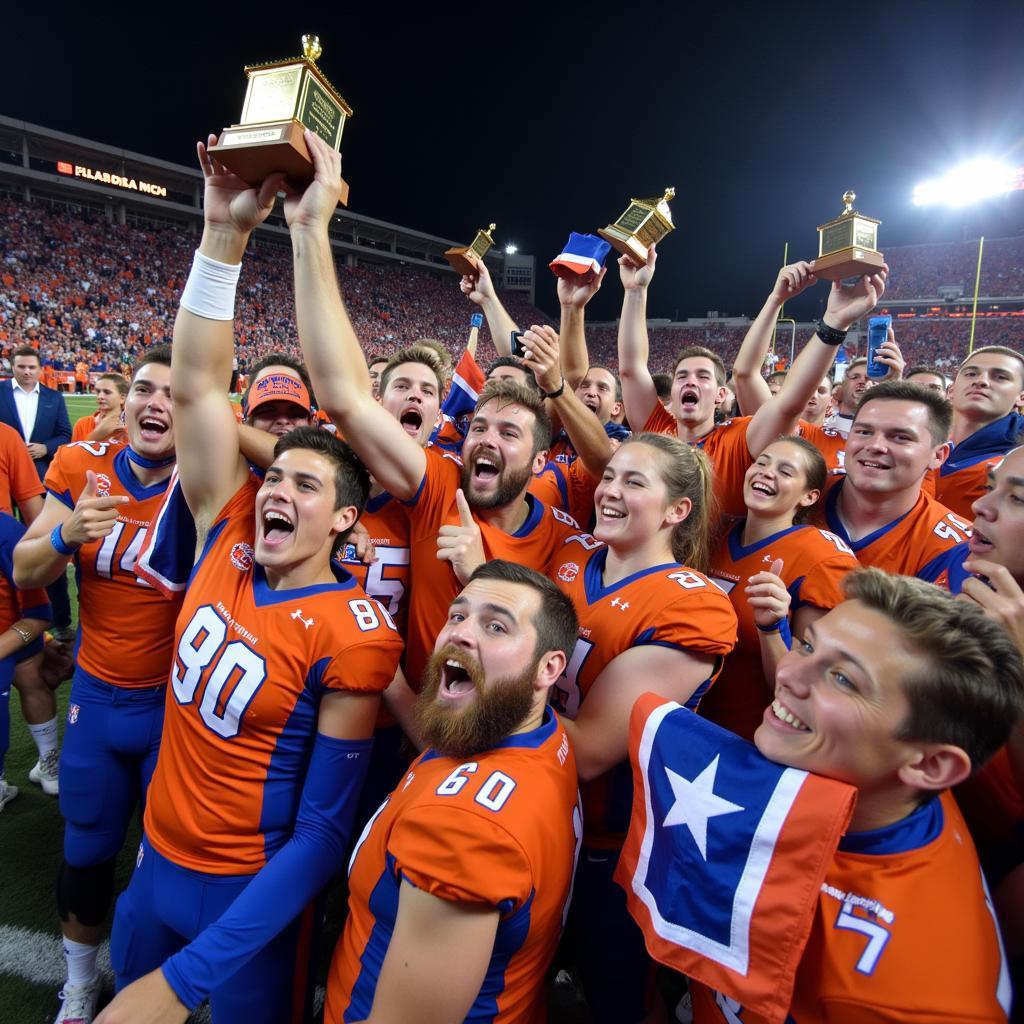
284 97
848 245
644 222
458 257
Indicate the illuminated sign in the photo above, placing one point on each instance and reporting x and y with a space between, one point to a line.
106 178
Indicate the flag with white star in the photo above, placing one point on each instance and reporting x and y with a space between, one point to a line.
725 855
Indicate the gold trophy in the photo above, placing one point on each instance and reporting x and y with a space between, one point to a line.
459 256
283 98
645 221
848 245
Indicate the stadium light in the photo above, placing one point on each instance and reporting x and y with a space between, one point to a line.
511 250
969 183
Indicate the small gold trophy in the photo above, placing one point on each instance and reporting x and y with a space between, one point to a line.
645 221
459 256
283 98
848 245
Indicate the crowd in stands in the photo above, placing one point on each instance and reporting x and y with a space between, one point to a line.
86 289
93 292
919 271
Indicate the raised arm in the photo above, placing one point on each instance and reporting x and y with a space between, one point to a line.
479 288
846 305
210 466
639 395
750 387
573 297
330 347
585 431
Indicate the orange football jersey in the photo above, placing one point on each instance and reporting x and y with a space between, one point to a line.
915 544
500 829
434 582
905 933
725 445
15 603
127 627
814 563
18 477
829 441
387 578
87 424
568 487
668 606
250 666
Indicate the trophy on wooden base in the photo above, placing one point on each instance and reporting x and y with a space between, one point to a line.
644 222
458 257
848 245
283 98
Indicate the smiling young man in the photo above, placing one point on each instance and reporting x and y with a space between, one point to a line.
460 882
100 499
986 390
699 374
273 691
879 509
901 692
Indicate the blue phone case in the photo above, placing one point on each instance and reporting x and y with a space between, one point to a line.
878 331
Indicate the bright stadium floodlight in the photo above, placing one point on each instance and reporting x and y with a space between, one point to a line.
969 183
511 249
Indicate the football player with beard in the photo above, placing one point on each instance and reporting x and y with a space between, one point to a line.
506 444
459 884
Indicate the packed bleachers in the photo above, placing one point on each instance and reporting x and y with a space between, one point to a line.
92 291
88 289
919 271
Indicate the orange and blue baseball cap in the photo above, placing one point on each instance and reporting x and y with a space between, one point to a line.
278 387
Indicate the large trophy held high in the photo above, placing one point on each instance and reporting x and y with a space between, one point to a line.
848 245
644 222
283 98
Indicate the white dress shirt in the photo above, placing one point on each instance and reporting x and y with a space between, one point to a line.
27 404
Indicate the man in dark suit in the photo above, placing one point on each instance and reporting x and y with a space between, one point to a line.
38 413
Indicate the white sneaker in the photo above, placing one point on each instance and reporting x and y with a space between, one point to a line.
7 792
46 772
79 1002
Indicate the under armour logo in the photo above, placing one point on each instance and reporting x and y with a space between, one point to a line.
768 558
297 614
620 604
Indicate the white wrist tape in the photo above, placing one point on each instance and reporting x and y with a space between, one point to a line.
210 289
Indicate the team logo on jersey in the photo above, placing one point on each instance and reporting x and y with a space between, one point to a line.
568 571
768 559
102 485
621 605
242 557
297 614
408 780
73 710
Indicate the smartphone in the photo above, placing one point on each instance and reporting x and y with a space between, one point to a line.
878 332
476 320
518 348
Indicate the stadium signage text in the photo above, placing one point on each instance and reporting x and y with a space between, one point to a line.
106 178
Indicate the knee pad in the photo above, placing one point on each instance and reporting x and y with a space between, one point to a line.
85 892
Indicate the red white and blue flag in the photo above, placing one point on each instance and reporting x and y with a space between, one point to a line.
725 855
467 383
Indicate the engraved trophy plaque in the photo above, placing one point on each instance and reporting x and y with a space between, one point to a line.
283 98
848 245
459 256
644 222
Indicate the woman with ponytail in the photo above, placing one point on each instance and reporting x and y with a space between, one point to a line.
650 621
779 573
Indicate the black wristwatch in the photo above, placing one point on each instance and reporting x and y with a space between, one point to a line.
557 393
830 335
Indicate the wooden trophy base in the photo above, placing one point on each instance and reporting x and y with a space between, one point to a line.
625 243
852 261
254 152
458 259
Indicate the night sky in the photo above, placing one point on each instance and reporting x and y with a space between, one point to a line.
547 118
